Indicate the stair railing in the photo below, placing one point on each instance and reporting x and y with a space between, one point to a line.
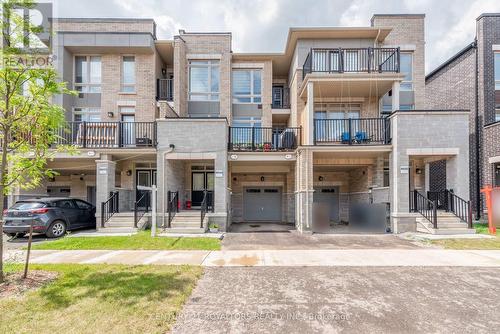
141 207
427 208
459 207
172 206
109 208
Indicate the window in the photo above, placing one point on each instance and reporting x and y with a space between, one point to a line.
244 122
386 174
128 74
88 74
127 110
497 114
497 70
83 205
86 114
204 80
65 204
407 69
337 111
247 86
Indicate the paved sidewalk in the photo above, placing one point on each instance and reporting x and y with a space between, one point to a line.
292 258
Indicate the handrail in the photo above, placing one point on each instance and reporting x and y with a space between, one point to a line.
459 207
427 208
204 207
165 89
172 206
265 139
139 213
109 208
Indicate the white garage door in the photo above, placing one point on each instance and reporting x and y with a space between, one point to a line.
262 204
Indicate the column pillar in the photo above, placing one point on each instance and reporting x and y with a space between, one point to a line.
304 190
395 95
105 182
309 126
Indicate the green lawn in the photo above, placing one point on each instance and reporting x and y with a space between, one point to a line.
101 299
141 240
493 243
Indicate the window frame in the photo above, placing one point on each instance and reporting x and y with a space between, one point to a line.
86 86
85 112
211 65
404 82
124 86
496 55
252 96
497 114
253 122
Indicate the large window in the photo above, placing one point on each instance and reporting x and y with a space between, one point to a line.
497 70
87 114
254 122
128 74
204 80
247 86
497 114
88 74
407 70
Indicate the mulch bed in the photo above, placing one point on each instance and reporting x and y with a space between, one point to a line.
15 285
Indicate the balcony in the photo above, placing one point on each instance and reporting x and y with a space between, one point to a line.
108 134
164 89
361 60
352 131
258 139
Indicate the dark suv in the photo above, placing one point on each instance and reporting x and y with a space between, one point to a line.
51 216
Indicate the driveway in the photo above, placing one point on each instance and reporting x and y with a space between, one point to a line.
340 299
19 243
295 240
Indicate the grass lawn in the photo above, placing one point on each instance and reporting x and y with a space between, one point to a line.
141 240
101 299
471 243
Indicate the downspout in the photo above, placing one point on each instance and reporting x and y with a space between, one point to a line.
478 137
164 193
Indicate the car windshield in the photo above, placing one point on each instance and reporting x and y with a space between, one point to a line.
27 205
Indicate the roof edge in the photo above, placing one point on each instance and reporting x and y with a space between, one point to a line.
450 60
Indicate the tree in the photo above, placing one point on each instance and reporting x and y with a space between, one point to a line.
28 117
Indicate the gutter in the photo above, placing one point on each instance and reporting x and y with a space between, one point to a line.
478 137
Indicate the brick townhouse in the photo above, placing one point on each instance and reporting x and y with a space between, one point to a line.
471 80
332 134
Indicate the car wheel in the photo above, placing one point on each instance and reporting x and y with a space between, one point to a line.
56 229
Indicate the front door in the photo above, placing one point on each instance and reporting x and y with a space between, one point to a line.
128 130
146 178
201 181
277 96
497 175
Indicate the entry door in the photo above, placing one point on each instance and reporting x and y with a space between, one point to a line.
262 204
330 197
128 130
201 181
144 178
277 96
91 195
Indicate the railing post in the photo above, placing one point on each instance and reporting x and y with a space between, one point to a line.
434 212
415 201
253 138
314 130
350 131
369 59
135 214
84 134
341 61
469 214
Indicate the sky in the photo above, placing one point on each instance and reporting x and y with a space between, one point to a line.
262 25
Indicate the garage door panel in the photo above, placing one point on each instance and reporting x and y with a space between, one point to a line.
262 204
329 196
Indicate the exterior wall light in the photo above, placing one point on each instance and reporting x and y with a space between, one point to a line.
129 172
111 114
262 178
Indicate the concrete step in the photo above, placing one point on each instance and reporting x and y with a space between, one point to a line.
118 230
184 225
446 231
119 224
186 230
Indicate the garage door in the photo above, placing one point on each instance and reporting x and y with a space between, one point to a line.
329 196
262 204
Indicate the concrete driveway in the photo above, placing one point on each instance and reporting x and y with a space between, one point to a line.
350 300
295 240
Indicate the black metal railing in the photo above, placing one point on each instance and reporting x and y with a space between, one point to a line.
108 134
421 204
448 201
165 89
141 207
206 205
172 206
263 139
352 131
280 105
109 208
354 60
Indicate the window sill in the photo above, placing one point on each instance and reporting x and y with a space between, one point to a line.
127 93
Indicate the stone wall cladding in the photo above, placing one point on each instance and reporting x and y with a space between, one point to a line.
408 30
105 25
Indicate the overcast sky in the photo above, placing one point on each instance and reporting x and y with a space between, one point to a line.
262 25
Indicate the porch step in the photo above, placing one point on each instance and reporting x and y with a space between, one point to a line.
446 226
186 230
118 230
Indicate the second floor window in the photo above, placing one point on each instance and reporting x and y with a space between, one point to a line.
247 86
128 74
204 80
497 70
86 114
407 69
88 74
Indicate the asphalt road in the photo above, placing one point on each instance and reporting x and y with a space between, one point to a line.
341 299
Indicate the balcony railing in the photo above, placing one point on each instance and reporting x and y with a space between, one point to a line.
365 60
263 139
352 131
108 134
165 89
